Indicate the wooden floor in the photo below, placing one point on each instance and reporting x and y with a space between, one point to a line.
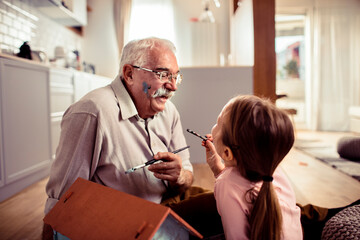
316 182
21 215
313 181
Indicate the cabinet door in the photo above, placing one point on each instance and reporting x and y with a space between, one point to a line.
100 81
25 119
74 14
80 12
62 90
61 97
85 82
2 172
82 84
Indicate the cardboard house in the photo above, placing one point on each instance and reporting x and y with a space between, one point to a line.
91 211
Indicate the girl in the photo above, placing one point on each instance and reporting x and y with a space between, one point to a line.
253 196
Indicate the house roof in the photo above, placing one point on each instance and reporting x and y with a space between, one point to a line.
91 211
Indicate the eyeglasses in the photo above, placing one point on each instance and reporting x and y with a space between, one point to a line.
164 76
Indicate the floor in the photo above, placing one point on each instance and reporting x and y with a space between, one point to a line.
313 181
316 182
21 215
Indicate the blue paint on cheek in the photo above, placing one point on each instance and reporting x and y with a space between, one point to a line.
145 87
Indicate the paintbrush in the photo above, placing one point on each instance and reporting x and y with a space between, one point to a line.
196 134
152 161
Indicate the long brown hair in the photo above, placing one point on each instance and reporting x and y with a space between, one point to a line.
259 135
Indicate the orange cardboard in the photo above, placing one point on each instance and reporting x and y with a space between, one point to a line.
91 211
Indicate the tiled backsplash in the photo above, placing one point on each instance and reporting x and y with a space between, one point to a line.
20 21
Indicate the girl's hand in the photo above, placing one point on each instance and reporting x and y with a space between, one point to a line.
209 137
212 157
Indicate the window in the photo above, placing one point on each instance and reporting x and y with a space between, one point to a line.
152 19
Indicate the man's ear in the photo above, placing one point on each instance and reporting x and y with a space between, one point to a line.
127 74
227 154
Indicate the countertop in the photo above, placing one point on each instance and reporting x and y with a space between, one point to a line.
2 55
37 63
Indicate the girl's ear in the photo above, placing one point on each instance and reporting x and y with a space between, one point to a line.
227 154
127 74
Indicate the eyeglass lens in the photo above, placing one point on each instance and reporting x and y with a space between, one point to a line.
166 76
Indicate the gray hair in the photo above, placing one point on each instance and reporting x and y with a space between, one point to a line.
137 52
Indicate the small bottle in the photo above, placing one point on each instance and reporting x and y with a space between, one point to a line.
77 64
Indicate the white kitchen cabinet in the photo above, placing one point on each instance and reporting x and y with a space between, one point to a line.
33 99
74 14
99 81
85 82
79 9
61 97
67 87
25 125
82 84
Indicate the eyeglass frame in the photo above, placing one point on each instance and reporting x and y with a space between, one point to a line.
178 78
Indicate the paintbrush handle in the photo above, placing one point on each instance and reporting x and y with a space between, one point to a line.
174 152
152 161
196 134
180 149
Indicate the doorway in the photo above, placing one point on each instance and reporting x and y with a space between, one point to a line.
290 50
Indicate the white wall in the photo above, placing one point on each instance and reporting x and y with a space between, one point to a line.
202 95
40 31
242 35
100 46
313 3
186 9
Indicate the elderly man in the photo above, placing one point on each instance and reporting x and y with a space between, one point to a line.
123 125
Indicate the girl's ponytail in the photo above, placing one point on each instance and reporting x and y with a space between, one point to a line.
266 219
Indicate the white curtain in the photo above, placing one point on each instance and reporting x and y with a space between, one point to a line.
336 65
153 18
122 12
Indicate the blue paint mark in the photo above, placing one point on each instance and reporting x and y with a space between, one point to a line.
145 87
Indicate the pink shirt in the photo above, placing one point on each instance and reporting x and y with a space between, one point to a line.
234 209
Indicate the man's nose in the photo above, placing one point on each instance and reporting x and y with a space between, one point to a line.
171 84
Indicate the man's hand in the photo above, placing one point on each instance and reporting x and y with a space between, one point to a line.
171 170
